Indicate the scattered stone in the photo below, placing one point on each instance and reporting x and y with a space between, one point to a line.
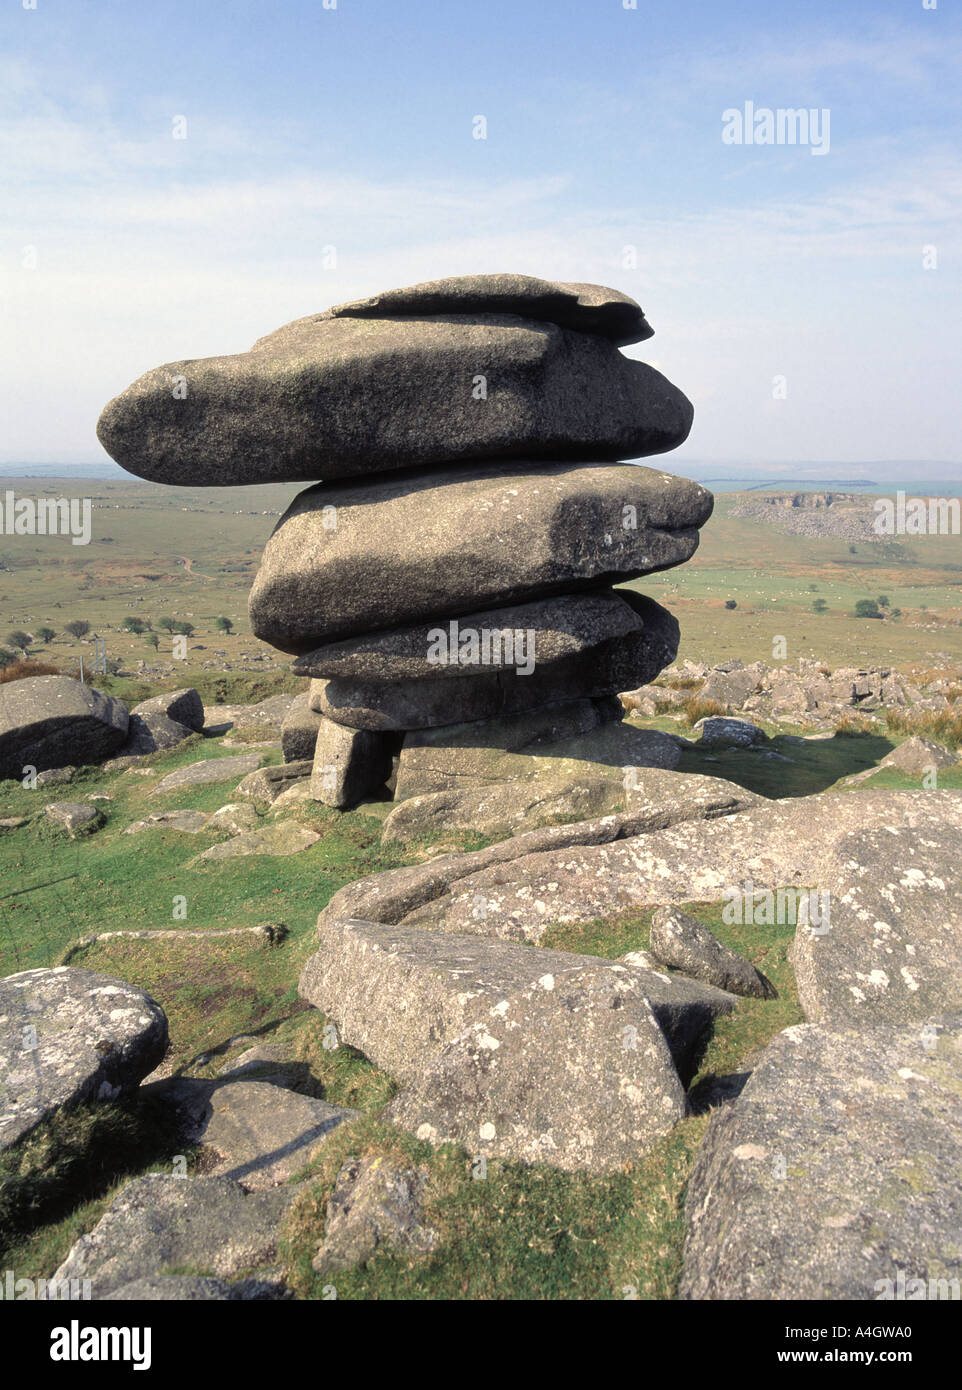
181 706
681 941
76 817
283 837
69 1036
737 732
187 822
13 822
211 770
269 714
373 1205
234 818
184 1288
834 1170
266 1134
266 784
54 776
774 844
153 733
49 721
480 1033
919 755
159 1223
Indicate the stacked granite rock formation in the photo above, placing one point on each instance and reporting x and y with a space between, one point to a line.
457 562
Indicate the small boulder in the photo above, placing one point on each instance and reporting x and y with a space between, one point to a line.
76 817
68 1036
50 721
373 1205
681 941
181 706
734 732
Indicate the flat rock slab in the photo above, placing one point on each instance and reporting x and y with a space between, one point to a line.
264 1134
187 822
336 397
506 809
663 799
919 755
182 706
601 669
457 540
374 1205
234 818
49 721
76 817
892 950
836 1168
681 941
211 770
159 1223
539 1056
738 733
586 308
284 837
780 844
68 1036
269 714
547 633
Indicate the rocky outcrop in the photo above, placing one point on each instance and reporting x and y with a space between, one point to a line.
69 1036
50 721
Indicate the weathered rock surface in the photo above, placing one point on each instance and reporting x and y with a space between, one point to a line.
283 837
457 540
234 818
299 730
681 941
402 996
919 755
546 633
153 733
349 764
211 770
185 1288
48 721
373 1205
586 308
779 844
463 757
264 1134
266 784
158 1223
599 670
182 706
738 733
835 1168
76 817
268 714
336 397
663 799
68 1036
891 952
508 808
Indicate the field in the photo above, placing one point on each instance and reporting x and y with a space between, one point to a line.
522 1232
190 554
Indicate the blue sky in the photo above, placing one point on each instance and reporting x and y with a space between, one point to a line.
353 127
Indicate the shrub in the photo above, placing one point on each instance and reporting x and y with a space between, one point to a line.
819 606
20 670
19 639
224 625
867 608
45 635
78 628
135 625
695 709
730 603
